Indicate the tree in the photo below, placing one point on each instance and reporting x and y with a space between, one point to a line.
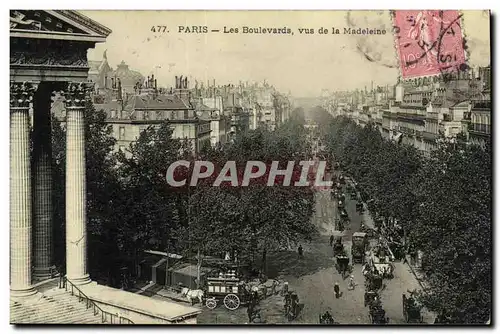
453 229
151 211
444 203
256 217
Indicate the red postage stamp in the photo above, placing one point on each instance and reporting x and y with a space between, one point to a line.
429 42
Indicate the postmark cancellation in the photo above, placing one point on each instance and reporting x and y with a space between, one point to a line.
429 42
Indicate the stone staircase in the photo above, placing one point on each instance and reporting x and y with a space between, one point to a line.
52 305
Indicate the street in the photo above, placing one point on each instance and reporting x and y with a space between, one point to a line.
316 290
313 278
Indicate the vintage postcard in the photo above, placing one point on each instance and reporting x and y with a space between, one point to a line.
250 167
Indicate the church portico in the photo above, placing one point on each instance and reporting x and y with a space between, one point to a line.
48 53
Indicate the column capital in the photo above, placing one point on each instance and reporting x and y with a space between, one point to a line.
21 94
77 93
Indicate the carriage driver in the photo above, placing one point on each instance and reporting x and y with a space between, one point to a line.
287 300
294 297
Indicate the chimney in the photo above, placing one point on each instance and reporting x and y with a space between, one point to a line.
176 81
120 98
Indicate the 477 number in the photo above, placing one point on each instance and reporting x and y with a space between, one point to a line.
159 28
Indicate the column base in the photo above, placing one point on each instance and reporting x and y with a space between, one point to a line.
41 274
19 293
80 280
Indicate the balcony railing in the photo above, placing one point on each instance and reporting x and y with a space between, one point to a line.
105 316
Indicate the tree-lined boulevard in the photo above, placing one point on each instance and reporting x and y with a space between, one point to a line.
439 207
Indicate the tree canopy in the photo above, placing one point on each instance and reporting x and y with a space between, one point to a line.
443 203
131 207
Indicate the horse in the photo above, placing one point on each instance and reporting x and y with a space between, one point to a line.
192 295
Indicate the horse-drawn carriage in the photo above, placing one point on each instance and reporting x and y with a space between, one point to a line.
229 290
411 310
373 281
373 284
338 247
327 319
377 316
342 263
340 224
292 305
376 312
359 246
351 190
341 200
343 214
370 296
380 262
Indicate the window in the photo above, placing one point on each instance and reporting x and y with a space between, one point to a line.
146 115
122 132
185 130
186 114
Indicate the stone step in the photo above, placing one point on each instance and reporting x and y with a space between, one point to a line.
55 306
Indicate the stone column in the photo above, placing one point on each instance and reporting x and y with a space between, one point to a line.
42 202
21 95
76 218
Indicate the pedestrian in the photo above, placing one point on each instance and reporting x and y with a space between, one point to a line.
336 288
403 254
250 311
331 240
62 281
284 292
351 284
300 251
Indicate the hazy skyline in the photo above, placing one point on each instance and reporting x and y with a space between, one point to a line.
303 64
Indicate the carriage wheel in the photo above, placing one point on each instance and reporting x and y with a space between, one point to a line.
211 303
231 301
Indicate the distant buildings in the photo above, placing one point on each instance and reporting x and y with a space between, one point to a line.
477 124
419 111
131 115
203 115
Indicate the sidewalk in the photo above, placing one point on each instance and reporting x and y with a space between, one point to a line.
368 221
419 275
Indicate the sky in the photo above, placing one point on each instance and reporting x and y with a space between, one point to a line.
304 64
